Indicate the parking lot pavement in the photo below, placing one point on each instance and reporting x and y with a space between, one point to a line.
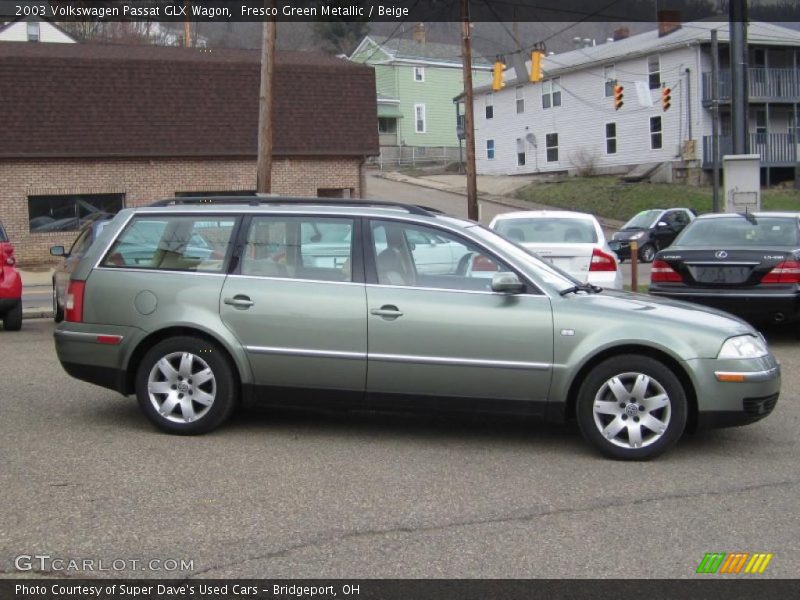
283 494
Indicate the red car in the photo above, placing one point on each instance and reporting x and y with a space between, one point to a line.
10 286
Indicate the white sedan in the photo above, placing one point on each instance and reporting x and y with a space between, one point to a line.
572 241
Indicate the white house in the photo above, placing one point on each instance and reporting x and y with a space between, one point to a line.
30 30
568 121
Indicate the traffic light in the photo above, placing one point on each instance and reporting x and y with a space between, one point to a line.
497 75
666 99
618 95
536 65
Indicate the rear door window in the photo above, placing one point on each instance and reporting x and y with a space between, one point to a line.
176 243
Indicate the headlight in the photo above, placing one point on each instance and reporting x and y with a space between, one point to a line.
743 346
637 236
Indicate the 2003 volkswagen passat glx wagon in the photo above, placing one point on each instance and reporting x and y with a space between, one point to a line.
196 305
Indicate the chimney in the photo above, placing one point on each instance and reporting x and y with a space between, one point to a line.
621 33
419 33
668 21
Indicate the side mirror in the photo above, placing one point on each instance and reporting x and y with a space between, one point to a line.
661 224
58 251
507 283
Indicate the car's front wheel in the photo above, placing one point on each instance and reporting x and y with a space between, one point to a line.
185 385
631 407
647 253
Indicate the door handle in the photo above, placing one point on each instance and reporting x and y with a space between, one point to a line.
239 301
387 311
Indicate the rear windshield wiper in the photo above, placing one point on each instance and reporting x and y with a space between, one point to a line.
583 287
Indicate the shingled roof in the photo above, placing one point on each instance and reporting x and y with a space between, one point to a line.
91 100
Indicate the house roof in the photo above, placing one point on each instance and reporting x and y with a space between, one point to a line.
403 49
93 100
696 32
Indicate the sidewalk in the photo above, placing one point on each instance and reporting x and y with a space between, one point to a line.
37 286
498 189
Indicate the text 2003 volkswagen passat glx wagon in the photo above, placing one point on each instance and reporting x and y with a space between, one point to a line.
195 305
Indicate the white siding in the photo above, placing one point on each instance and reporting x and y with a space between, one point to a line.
18 32
584 111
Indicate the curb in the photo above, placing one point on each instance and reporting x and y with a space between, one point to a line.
37 313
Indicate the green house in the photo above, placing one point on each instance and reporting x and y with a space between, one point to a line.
416 82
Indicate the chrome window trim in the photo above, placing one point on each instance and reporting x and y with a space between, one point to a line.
295 279
460 362
306 352
170 271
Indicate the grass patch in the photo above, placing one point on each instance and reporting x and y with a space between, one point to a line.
609 197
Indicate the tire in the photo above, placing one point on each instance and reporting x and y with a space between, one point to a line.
608 419
12 320
647 253
188 415
58 310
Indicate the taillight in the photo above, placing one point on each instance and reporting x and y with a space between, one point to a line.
74 302
660 271
602 261
786 272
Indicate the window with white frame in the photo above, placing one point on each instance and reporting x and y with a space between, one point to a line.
489 149
551 144
520 152
611 138
33 31
656 140
610 77
419 118
489 105
419 74
520 99
654 71
551 93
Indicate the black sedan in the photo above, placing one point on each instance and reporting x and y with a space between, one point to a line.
746 264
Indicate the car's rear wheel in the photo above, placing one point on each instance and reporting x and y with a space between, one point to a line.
58 311
631 407
647 253
12 320
185 385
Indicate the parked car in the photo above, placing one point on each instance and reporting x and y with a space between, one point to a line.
746 264
10 286
652 230
193 337
62 272
572 241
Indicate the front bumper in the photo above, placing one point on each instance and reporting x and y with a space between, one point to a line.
736 391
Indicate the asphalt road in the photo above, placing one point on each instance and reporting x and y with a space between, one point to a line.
281 494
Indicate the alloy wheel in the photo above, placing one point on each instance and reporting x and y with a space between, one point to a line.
181 387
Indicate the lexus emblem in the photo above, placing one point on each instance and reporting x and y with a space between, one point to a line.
721 254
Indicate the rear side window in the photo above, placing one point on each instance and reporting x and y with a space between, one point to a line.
175 243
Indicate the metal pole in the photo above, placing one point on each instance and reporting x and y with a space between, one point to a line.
469 117
715 118
737 14
264 169
689 101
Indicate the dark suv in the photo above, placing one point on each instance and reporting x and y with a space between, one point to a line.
10 286
652 230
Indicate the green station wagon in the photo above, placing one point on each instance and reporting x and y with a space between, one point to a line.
381 306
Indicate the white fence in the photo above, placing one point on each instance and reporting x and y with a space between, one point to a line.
405 156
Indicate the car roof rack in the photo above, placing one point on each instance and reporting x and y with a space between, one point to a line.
259 200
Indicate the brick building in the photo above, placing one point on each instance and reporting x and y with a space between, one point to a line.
91 128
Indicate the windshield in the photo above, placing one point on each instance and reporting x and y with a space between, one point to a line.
548 273
553 230
643 220
737 231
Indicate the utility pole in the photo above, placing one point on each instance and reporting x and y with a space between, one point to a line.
469 113
737 25
715 118
264 170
